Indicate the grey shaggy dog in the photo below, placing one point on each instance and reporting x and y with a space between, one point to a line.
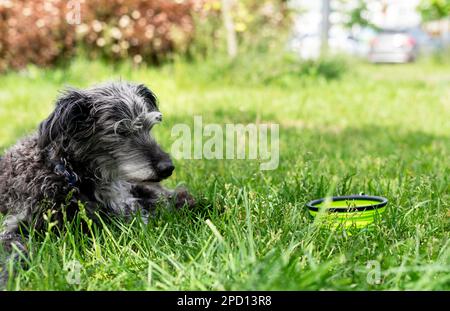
94 148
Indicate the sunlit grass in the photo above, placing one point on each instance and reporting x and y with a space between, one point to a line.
381 130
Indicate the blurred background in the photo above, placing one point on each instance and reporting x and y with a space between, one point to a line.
390 31
46 44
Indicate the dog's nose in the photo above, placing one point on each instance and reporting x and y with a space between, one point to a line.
165 169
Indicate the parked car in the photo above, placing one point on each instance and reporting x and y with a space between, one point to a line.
308 46
399 46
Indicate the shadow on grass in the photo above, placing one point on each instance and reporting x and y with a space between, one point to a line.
366 141
370 152
311 157
298 141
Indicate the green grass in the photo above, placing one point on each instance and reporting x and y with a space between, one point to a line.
381 130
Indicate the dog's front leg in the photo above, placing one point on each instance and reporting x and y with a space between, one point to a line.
181 197
153 194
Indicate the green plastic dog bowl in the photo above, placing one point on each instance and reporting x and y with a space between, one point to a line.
348 211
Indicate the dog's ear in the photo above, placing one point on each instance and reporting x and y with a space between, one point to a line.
70 118
149 97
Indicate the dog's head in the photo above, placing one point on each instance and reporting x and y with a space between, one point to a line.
107 128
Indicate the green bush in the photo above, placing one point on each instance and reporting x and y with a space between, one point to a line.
144 31
34 31
267 68
260 25
45 32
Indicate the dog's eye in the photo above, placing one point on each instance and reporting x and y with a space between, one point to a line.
146 120
123 134
122 128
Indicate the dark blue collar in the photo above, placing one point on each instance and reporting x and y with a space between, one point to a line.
62 168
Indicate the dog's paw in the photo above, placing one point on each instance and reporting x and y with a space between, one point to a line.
183 199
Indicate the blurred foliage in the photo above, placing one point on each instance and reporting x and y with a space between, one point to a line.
434 9
260 25
43 32
145 31
34 31
256 69
358 15
39 31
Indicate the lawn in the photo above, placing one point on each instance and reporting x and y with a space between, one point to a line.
381 130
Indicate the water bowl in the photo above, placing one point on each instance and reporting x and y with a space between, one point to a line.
348 211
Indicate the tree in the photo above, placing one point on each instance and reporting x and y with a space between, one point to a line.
358 16
434 9
325 26
229 28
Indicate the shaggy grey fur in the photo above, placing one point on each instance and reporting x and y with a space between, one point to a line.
96 145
